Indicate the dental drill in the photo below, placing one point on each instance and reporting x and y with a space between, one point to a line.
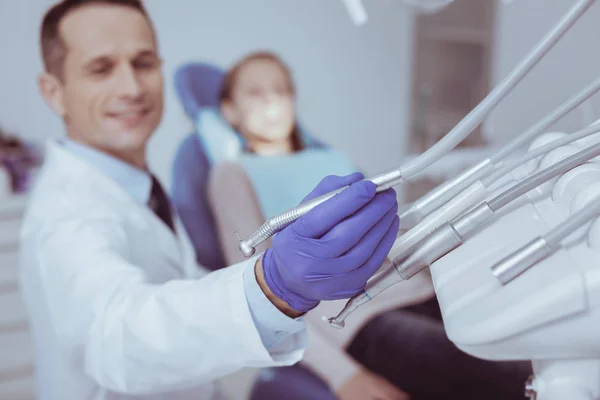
453 234
542 247
392 178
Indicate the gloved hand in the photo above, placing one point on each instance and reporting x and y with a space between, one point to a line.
331 251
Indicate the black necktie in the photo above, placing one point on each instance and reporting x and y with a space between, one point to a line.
159 203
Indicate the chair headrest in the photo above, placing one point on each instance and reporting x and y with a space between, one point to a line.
198 85
221 142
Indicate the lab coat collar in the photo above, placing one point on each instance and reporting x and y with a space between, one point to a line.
97 182
135 181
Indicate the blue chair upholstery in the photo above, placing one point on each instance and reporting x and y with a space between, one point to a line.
290 383
198 85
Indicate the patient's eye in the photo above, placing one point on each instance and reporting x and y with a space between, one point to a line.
254 91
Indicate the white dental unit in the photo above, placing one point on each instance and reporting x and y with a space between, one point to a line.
513 243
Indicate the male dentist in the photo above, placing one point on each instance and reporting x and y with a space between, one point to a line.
117 305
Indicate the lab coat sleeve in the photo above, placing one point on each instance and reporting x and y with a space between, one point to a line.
273 326
139 337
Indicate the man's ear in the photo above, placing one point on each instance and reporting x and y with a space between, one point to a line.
52 91
229 113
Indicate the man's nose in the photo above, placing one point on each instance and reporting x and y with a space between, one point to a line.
128 83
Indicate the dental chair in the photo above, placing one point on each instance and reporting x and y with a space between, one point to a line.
197 85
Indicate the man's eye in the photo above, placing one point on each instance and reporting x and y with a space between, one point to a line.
145 64
101 70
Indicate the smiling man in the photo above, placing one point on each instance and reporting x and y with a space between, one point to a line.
104 77
118 307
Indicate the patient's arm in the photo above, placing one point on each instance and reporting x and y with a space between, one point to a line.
235 208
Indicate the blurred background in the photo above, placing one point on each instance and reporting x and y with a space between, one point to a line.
381 92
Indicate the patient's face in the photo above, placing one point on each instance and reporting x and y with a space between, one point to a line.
111 94
263 102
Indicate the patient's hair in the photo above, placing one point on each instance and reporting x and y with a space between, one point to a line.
52 45
231 77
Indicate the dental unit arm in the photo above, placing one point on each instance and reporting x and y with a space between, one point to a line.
451 188
451 235
517 278
525 285
465 192
447 143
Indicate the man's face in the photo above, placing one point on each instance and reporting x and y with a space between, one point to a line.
111 92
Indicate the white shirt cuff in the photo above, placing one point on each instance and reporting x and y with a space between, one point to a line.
272 325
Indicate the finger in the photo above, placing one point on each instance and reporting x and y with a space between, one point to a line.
328 214
365 271
348 233
377 256
360 255
354 255
331 183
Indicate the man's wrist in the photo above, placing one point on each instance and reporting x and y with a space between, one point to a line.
281 305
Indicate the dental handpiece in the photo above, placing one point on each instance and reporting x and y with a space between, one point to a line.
473 119
406 264
276 224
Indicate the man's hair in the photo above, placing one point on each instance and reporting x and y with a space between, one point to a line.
52 45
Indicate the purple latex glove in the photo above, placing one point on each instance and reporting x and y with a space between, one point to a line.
331 251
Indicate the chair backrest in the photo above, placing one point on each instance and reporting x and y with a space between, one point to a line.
197 85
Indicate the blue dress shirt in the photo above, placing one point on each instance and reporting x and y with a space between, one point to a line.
272 325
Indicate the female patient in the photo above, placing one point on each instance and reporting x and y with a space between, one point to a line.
384 352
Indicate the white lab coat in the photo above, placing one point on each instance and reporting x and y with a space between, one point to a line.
112 313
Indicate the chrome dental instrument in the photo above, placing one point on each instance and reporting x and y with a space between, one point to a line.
452 234
447 190
541 247
476 193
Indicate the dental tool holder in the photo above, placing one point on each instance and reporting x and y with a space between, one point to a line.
549 314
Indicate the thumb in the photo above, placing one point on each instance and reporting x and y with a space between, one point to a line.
331 183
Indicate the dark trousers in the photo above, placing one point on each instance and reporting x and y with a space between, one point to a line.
410 348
